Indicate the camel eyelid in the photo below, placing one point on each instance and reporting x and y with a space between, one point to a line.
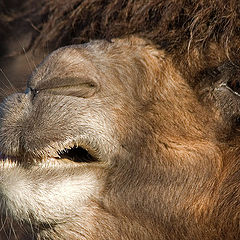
56 83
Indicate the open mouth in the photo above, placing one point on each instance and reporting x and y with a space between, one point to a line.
67 153
77 154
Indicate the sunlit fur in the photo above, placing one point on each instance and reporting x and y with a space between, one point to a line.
159 111
161 174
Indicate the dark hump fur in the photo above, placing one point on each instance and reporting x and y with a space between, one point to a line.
178 26
169 23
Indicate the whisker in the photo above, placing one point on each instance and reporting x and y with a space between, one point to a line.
27 58
13 231
5 76
3 224
31 226
3 93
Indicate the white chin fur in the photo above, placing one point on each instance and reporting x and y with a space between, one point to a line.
45 194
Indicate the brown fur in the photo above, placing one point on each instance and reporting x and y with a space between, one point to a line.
176 26
198 34
169 98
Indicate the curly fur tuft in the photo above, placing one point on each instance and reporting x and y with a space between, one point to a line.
172 24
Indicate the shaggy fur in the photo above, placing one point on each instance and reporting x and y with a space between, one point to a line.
170 24
159 171
176 26
198 34
159 111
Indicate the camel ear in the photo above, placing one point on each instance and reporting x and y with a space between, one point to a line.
220 85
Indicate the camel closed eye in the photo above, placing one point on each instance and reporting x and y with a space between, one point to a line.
75 87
